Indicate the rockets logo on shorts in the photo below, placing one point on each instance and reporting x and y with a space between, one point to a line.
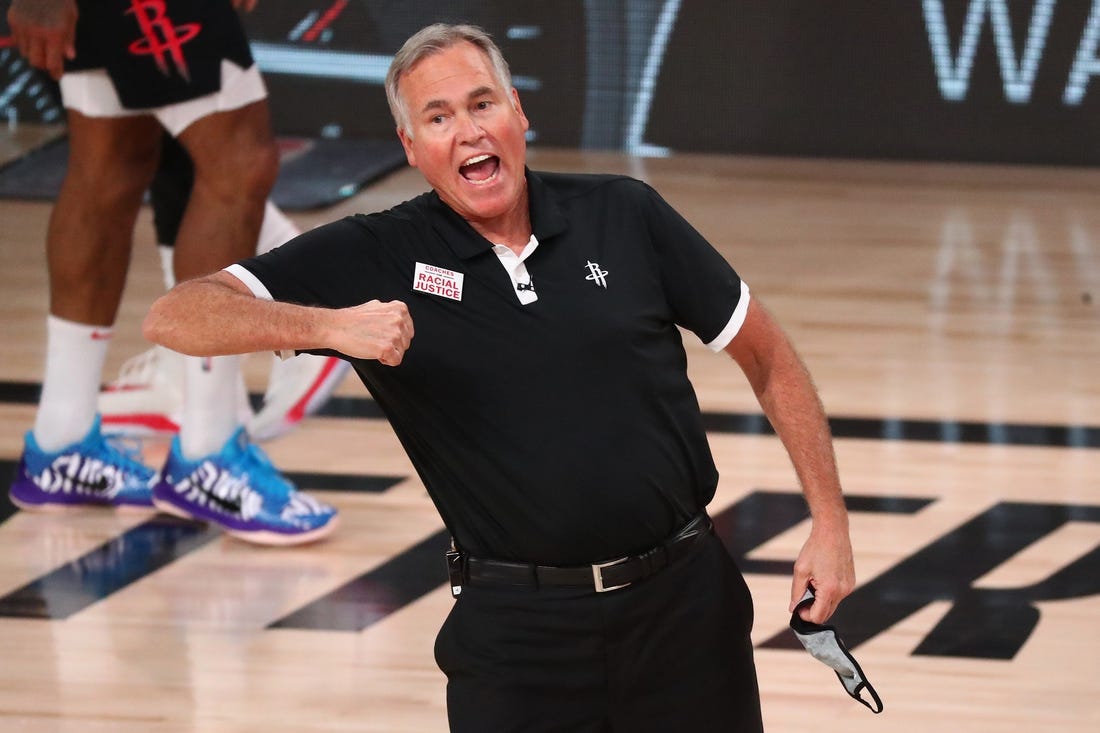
437 281
161 37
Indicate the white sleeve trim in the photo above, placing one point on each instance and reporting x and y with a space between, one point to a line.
250 281
736 321
260 291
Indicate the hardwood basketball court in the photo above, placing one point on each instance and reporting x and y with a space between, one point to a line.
949 316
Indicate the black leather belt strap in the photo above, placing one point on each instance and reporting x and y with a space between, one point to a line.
598 577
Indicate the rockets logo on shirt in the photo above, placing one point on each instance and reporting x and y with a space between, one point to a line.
437 281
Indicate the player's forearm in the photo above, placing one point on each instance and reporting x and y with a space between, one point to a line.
204 317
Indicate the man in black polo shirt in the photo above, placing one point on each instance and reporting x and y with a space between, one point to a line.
545 405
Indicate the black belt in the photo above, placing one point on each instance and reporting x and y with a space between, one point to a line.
598 577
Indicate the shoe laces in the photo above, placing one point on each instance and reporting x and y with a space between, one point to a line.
138 370
274 483
128 449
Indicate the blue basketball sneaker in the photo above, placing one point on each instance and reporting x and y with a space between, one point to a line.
240 490
92 472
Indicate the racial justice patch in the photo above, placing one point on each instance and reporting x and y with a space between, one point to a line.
437 281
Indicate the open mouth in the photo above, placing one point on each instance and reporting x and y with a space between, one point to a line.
480 169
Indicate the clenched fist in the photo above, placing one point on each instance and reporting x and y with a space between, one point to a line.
373 330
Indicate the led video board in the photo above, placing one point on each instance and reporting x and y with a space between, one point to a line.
970 80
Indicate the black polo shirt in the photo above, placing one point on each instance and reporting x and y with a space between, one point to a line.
563 431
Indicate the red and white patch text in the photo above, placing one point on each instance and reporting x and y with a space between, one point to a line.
438 281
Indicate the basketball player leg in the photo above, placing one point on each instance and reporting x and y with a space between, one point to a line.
147 396
236 162
66 462
111 160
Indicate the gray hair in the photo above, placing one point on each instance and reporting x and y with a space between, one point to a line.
431 40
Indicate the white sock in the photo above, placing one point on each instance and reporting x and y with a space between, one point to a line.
167 253
210 404
275 230
213 387
75 353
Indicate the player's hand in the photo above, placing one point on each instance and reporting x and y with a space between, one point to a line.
245 5
44 31
825 564
374 330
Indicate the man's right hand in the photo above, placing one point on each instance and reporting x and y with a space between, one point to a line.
45 32
373 330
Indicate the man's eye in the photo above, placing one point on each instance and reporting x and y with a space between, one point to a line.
482 105
437 120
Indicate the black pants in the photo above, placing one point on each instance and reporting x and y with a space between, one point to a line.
667 655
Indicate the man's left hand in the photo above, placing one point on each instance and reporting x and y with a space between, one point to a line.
826 565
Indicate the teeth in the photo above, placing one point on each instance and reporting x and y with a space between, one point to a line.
476 159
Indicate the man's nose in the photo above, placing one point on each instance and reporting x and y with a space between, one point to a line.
469 129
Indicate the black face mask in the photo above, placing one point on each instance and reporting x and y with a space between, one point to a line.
824 644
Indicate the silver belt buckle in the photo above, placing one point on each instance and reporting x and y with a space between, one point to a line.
597 575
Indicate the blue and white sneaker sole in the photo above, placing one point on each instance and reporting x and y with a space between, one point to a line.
52 507
258 536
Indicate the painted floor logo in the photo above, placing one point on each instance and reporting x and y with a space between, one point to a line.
982 623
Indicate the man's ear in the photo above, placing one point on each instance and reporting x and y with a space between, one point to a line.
519 108
406 142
